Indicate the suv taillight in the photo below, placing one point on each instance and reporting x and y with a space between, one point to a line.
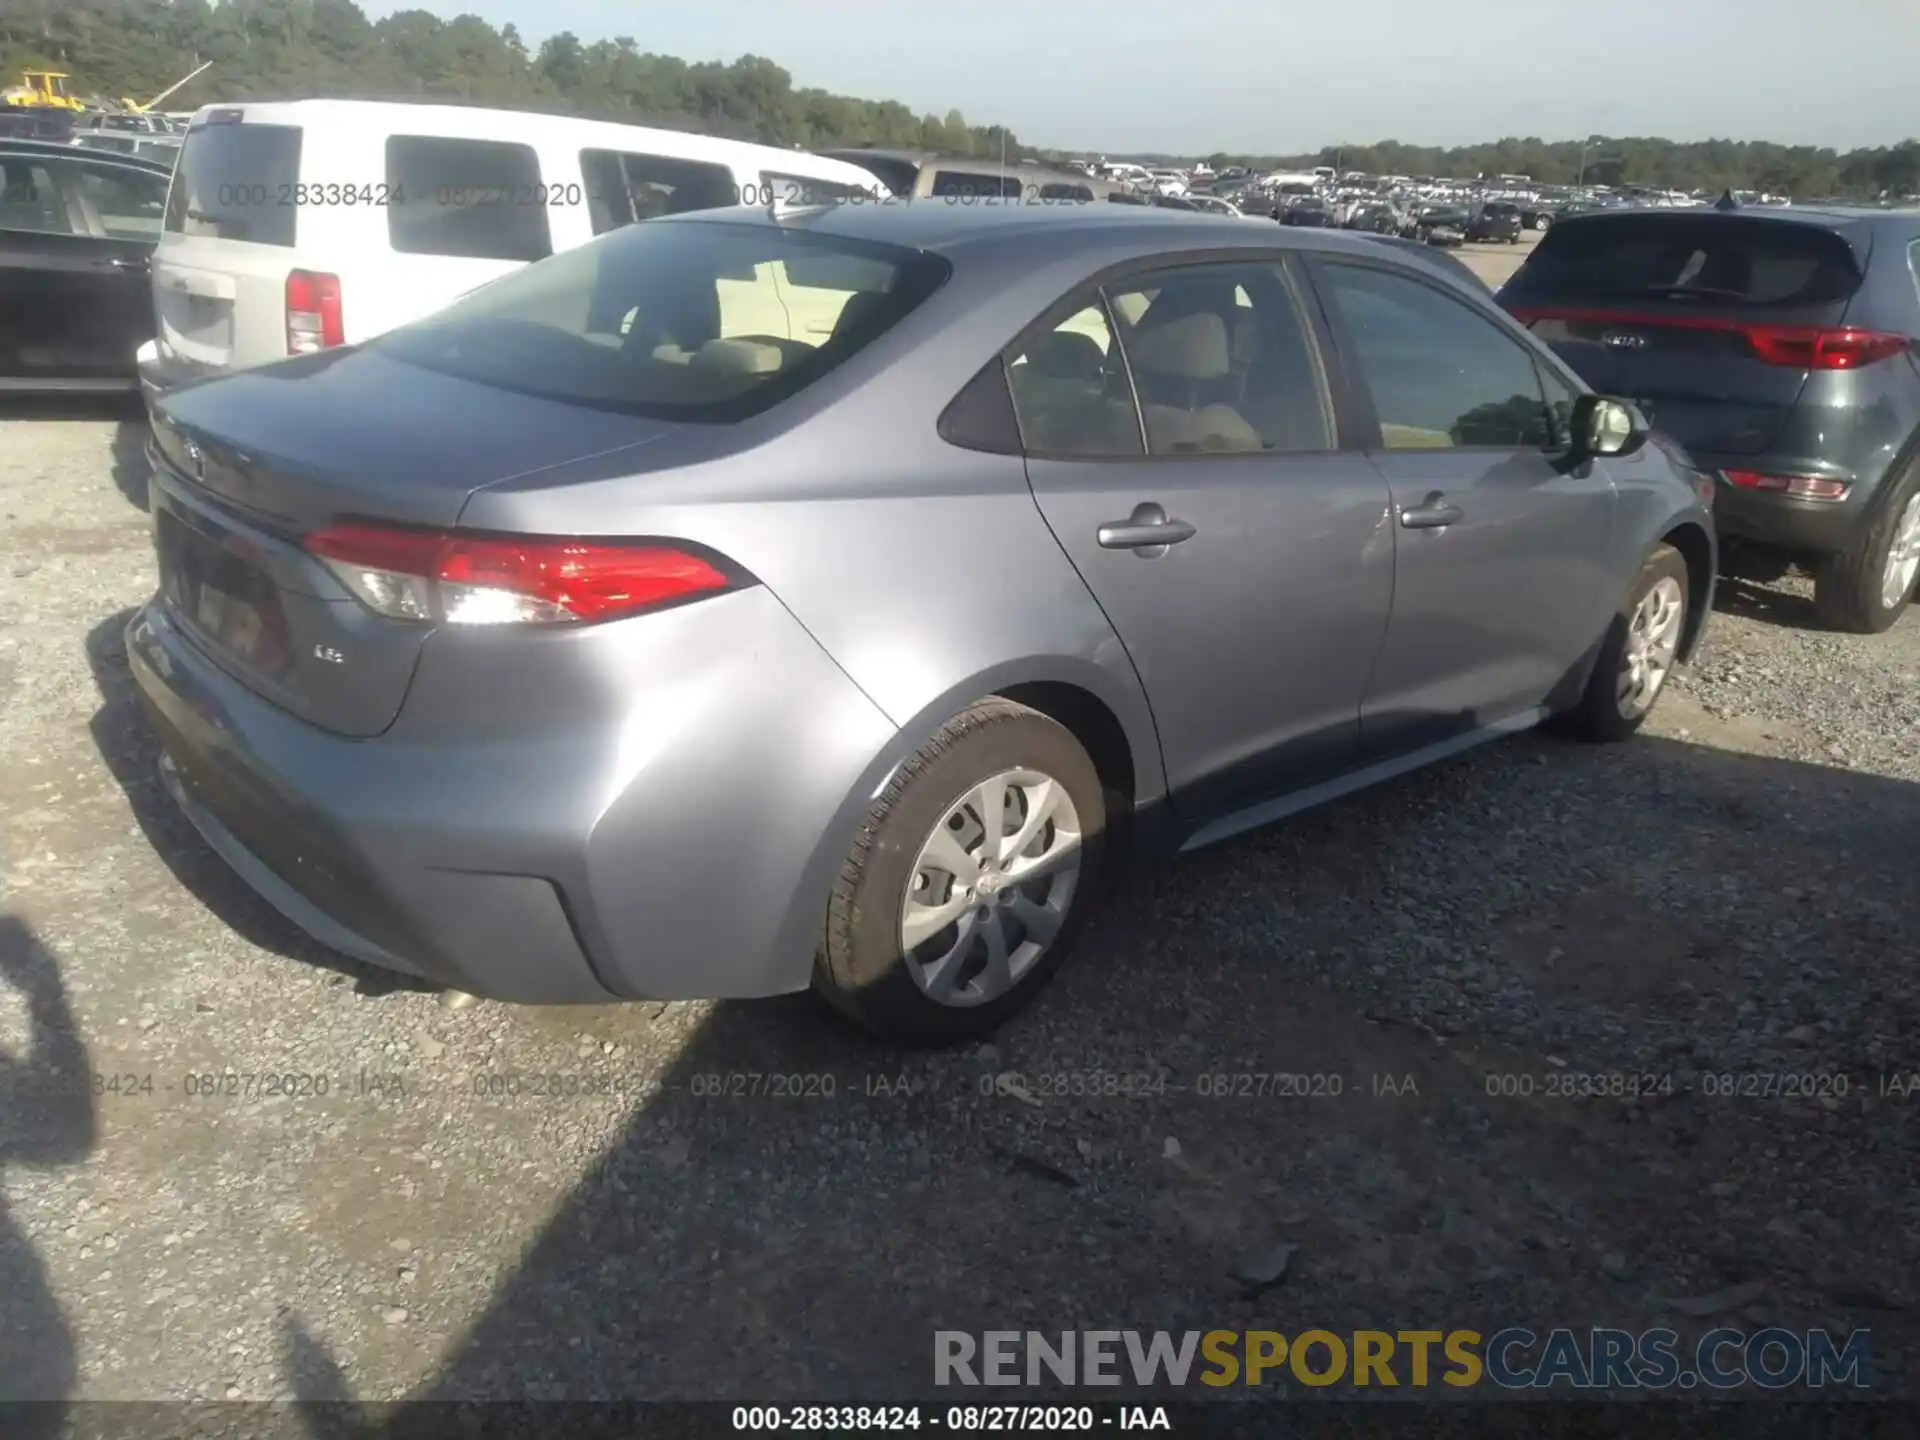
1803 347
313 312
474 579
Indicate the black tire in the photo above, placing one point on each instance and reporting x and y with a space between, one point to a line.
1597 716
860 968
1846 587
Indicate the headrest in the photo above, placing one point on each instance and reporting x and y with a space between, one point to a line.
858 307
1193 347
737 357
1067 353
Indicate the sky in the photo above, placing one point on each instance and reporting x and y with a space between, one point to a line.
1253 76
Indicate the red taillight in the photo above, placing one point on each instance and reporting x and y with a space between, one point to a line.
313 312
508 579
1806 348
1805 487
1803 347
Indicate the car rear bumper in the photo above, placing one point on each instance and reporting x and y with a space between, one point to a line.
1787 521
551 844
163 370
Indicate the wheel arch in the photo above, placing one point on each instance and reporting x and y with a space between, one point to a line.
1696 547
1108 717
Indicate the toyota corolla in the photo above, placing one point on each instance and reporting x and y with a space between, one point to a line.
752 601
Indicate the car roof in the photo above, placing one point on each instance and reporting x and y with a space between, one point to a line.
61 150
950 228
532 127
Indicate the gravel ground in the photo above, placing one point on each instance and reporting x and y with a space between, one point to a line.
1727 895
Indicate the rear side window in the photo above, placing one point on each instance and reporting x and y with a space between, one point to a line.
967 185
1711 259
624 186
1065 190
1913 266
235 181
471 199
30 199
127 202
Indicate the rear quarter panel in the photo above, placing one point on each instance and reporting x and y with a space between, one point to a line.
924 570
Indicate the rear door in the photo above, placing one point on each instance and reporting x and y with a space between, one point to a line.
123 206
1689 313
50 273
1239 551
227 241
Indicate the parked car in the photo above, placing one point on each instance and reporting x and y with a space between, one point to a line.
1444 224
1376 218
572 644
1450 264
35 122
76 231
300 226
1217 205
1778 346
1309 211
928 174
1493 221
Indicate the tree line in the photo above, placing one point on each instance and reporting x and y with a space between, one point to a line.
283 49
288 49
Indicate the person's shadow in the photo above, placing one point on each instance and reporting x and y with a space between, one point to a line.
46 1119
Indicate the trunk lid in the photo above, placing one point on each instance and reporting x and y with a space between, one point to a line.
248 464
1665 308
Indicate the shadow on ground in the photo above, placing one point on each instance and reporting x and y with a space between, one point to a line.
130 465
46 1119
131 749
800 1245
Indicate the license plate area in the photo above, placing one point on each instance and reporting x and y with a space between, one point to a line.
224 599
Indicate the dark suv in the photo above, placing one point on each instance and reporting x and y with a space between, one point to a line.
1779 347
1495 222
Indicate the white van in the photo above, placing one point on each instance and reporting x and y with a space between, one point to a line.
299 226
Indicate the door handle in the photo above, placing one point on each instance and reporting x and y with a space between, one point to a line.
1147 530
1433 513
120 262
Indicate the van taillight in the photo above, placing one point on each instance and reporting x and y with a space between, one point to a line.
313 312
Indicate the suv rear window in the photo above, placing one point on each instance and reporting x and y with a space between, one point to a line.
1716 259
236 181
679 320
472 199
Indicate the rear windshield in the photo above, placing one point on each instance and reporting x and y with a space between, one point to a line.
236 181
471 199
678 320
1709 259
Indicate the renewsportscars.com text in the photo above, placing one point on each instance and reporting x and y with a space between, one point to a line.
1515 1358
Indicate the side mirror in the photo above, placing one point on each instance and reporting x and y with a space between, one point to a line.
1604 426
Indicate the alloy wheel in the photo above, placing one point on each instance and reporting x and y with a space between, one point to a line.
1903 557
1653 640
991 887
